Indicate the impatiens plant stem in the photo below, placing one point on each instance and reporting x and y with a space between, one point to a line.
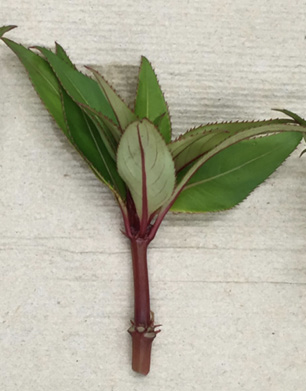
142 330
141 282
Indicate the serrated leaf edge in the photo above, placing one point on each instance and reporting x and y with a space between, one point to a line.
167 106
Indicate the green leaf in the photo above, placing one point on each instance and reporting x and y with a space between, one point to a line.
227 178
105 126
82 89
158 120
294 116
78 86
43 79
122 112
240 136
146 166
5 29
297 119
61 53
150 102
198 141
87 140
79 126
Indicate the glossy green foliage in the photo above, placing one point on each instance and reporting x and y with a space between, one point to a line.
80 87
242 166
150 102
43 79
85 134
70 118
86 92
198 141
235 138
209 168
87 140
146 165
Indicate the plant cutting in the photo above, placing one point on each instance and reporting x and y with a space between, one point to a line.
209 168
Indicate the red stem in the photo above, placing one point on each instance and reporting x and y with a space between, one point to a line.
141 282
142 329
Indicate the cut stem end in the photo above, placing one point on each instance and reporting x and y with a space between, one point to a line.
141 344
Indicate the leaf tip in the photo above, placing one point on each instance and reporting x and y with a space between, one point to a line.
58 46
5 29
302 153
144 59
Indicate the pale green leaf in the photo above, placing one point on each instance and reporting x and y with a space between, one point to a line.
122 112
146 166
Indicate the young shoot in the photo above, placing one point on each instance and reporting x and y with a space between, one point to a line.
207 169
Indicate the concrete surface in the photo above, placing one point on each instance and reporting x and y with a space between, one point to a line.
229 288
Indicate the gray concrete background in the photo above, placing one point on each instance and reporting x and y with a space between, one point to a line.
229 288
